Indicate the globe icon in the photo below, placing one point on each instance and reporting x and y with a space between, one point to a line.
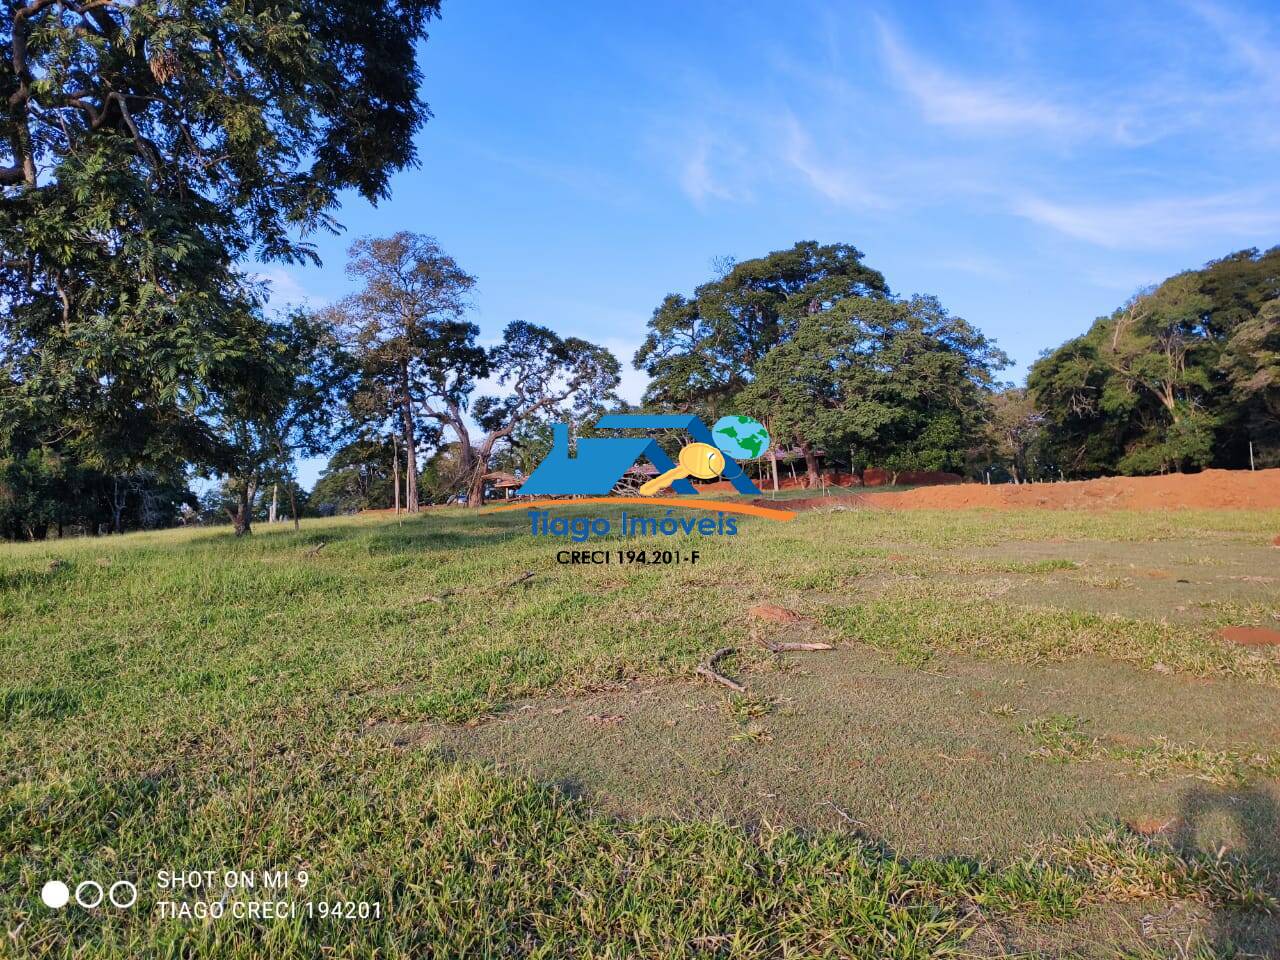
741 437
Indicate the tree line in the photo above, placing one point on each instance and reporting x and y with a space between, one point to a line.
151 156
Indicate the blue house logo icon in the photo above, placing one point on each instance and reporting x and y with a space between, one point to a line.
601 461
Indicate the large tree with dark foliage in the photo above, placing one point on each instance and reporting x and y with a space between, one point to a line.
1182 376
701 351
148 151
900 383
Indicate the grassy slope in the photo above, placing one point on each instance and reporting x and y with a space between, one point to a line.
182 700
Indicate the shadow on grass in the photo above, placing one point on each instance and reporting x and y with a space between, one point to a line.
37 703
1254 813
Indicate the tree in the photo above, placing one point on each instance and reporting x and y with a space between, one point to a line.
1161 383
1014 431
282 404
700 352
901 381
405 326
147 151
824 386
1251 363
544 376
357 477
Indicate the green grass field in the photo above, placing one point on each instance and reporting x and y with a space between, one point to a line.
533 770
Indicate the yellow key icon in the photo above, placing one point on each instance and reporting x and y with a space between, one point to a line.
700 460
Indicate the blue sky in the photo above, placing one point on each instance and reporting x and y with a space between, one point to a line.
1031 165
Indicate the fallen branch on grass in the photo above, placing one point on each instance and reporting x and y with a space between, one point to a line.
709 671
442 597
844 816
793 647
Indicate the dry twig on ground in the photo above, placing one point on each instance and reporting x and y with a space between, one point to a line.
709 671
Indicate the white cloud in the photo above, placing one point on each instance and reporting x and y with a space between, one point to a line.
949 100
699 180
1163 223
738 151
837 182
285 290
1247 41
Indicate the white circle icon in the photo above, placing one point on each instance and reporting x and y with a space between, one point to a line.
130 891
55 894
85 901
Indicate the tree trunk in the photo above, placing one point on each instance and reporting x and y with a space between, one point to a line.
475 491
293 506
242 518
810 464
275 501
410 444
395 472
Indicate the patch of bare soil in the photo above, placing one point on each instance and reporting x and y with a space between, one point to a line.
848 738
774 613
926 762
1252 636
1209 489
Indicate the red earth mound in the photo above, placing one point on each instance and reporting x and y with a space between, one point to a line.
875 477
1209 489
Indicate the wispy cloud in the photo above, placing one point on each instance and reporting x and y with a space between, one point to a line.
699 178
733 153
1163 223
836 181
948 99
284 289
1144 150
1248 40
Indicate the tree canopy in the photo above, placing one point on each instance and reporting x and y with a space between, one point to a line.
405 325
1181 376
700 351
899 383
148 152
